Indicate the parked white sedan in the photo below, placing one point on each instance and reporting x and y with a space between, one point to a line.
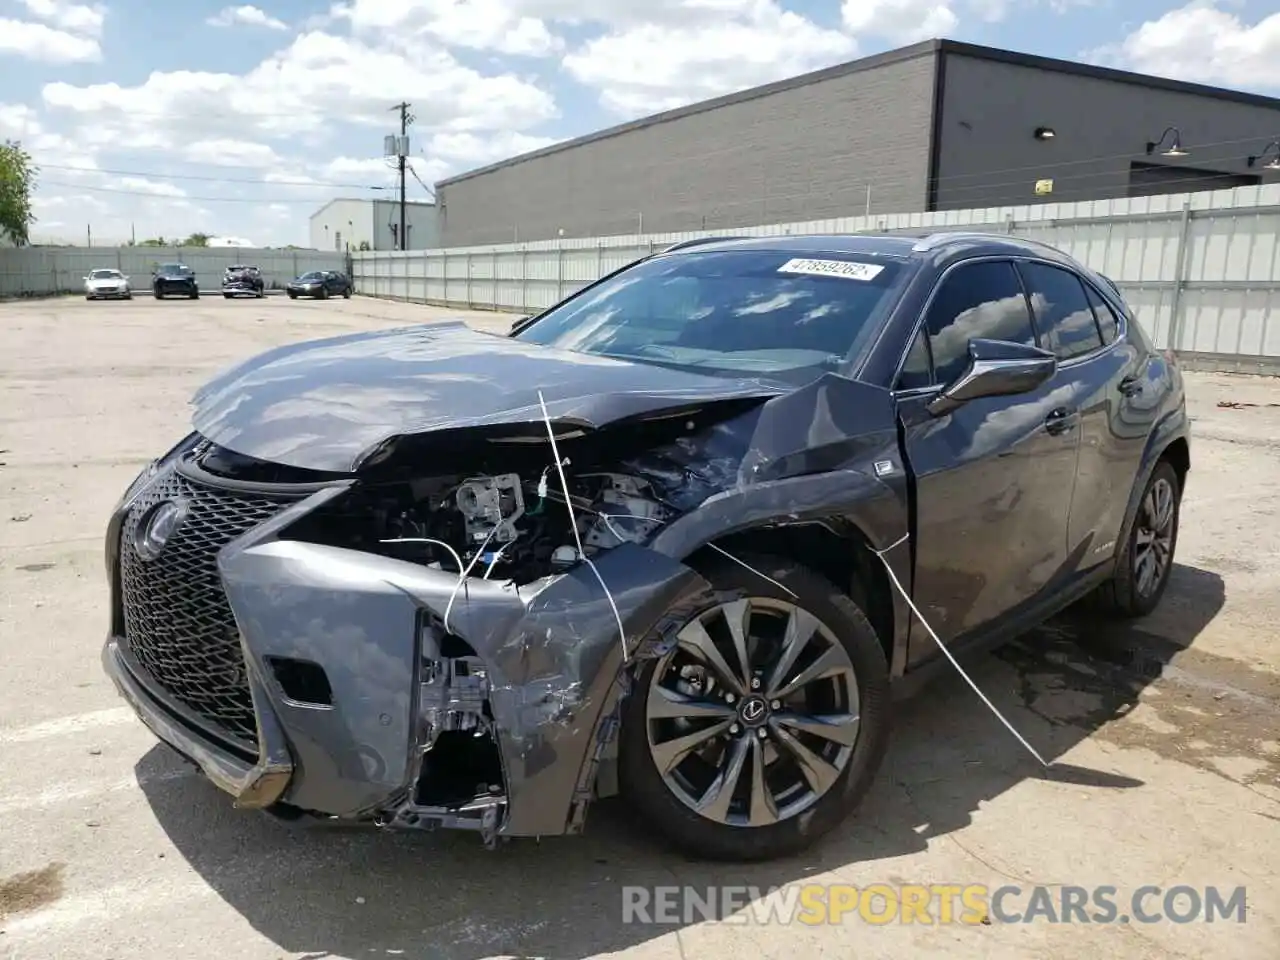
107 284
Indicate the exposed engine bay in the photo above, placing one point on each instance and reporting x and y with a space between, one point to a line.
507 526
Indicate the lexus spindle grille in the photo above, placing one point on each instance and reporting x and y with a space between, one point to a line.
178 624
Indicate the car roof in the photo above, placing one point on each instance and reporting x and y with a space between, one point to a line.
911 244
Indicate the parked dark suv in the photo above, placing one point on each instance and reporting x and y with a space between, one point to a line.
321 284
657 541
243 280
174 279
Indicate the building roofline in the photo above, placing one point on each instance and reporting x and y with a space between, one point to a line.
900 55
977 52
927 48
411 203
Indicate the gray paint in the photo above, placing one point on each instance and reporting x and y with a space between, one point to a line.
988 155
805 151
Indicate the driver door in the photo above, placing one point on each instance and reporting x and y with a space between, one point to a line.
993 477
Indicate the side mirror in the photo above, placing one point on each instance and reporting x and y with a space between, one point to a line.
997 368
517 321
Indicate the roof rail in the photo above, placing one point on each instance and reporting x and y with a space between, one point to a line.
940 237
699 241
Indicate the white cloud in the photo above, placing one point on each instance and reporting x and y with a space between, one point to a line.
278 98
76 18
721 46
156 188
899 21
37 41
246 15
229 152
495 25
1201 42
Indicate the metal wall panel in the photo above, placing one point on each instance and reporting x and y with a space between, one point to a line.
44 271
1202 271
811 147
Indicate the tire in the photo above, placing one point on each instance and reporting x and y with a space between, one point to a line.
196 295
1126 596
292 295
346 294
128 296
226 296
848 635
158 295
324 293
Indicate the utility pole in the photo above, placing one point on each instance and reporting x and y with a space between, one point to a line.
402 148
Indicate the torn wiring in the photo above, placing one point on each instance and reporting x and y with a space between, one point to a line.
893 578
573 524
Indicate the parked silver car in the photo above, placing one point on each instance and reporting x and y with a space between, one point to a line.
107 284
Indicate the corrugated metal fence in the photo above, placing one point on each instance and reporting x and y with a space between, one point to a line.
38 271
1201 270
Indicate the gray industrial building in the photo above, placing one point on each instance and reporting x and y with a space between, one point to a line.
934 126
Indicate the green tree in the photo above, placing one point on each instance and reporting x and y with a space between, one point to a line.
196 240
17 181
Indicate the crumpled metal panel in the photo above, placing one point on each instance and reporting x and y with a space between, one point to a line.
329 404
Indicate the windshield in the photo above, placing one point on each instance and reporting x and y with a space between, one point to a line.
730 313
104 274
175 270
313 275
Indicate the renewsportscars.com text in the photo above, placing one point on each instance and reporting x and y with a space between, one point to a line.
932 904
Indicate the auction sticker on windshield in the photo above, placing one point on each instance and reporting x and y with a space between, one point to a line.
847 269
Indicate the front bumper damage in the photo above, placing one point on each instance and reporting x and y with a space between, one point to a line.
544 680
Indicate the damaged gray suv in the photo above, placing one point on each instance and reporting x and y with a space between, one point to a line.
657 541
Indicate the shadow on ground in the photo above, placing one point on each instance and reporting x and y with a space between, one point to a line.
349 893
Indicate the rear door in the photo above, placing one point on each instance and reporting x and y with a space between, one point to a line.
994 477
1107 373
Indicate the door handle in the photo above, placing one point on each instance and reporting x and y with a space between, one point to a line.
1060 421
1131 386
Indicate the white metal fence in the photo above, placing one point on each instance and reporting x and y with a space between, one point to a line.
1201 270
37 271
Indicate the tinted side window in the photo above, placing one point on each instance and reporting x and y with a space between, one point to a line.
976 301
1066 322
916 370
1107 321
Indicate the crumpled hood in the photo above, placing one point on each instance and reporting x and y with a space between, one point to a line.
327 404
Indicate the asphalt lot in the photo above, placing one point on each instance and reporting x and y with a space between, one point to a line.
110 848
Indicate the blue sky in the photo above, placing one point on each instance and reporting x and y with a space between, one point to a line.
241 120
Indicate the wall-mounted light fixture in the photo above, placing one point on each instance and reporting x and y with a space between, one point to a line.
1274 164
1045 133
1175 148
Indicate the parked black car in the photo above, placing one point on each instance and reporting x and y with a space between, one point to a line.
321 284
174 279
647 543
243 280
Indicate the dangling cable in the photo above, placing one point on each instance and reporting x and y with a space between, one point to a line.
947 653
573 525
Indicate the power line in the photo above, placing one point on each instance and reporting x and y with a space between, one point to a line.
167 196
191 176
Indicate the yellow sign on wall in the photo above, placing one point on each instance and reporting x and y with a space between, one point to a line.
1044 187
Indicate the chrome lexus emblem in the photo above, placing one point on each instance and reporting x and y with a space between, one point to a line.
158 527
753 710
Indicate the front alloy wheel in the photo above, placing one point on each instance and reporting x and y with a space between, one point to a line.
764 724
1144 566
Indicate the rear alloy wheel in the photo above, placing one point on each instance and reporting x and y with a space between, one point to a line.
760 731
1143 568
